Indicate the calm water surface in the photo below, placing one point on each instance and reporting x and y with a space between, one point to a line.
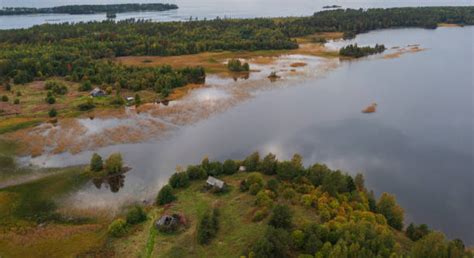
419 144
202 9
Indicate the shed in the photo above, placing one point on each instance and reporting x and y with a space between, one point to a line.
97 92
130 99
214 182
242 169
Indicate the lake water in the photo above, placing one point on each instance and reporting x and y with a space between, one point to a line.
202 9
418 145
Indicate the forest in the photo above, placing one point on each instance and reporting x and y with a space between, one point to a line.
89 9
80 51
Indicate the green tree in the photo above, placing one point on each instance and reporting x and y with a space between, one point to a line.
165 195
136 215
252 162
96 163
179 180
274 244
230 167
114 163
281 217
387 206
138 100
359 182
269 164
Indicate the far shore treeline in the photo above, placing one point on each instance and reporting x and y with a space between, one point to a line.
82 52
88 9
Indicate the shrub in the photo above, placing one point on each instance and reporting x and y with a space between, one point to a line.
85 86
269 164
281 217
16 101
88 105
56 87
96 164
50 100
118 228
196 172
263 199
235 65
260 215
251 162
5 98
18 93
255 188
8 87
230 167
136 215
138 100
273 185
52 112
179 180
165 195
208 227
114 164
215 168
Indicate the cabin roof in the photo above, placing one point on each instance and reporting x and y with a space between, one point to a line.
215 182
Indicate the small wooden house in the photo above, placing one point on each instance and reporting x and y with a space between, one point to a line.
167 223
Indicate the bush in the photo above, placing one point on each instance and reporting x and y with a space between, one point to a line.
52 112
50 100
136 215
118 228
5 98
273 185
18 93
208 227
85 86
165 195
275 243
96 164
281 217
255 188
263 199
215 168
56 87
8 87
88 105
251 162
179 180
260 215
114 164
196 172
16 101
230 167
235 65
269 164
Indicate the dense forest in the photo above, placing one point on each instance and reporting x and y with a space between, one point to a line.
77 51
89 9
349 221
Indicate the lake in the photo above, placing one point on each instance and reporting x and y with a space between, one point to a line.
418 145
202 9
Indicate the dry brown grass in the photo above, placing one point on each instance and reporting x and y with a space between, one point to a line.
299 64
449 25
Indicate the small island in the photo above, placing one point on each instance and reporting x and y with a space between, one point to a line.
334 6
89 9
355 51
